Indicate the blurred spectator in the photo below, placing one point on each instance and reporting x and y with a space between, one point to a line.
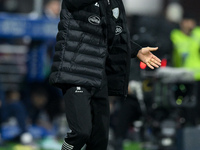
50 99
186 54
52 9
37 110
13 107
186 45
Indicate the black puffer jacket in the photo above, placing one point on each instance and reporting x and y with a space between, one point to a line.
93 42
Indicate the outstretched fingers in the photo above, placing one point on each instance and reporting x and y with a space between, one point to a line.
152 63
152 48
149 65
156 60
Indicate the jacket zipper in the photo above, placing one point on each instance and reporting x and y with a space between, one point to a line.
126 78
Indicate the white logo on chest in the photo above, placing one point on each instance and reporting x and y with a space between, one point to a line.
116 13
95 20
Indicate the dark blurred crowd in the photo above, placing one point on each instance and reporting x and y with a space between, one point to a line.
167 98
29 103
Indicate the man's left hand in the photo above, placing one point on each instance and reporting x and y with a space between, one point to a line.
148 58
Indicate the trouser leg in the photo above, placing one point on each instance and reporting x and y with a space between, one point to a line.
100 112
78 114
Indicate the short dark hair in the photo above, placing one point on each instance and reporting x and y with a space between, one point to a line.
189 15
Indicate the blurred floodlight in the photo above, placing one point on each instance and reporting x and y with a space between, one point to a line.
174 12
143 7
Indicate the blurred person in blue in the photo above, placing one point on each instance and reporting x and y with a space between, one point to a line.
91 61
44 49
38 115
13 107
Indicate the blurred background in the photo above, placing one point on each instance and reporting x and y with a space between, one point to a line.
162 109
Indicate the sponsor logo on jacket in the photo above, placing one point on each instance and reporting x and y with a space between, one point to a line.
95 20
118 30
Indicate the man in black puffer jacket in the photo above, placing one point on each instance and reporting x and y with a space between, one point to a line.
92 61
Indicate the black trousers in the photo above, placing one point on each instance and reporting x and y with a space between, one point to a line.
87 113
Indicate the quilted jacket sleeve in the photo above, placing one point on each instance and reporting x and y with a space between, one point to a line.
78 4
